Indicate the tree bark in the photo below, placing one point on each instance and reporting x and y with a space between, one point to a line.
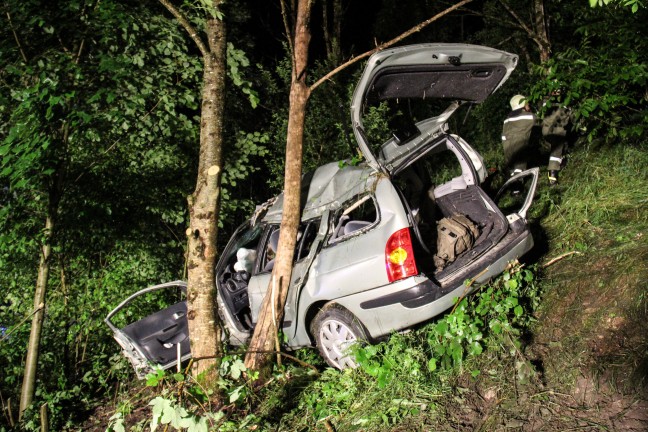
544 45
333 31
265 331
55 192
204 324
202 317
537 30
33 346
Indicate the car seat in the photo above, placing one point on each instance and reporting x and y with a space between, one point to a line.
271 247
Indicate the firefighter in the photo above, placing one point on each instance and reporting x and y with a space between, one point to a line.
516 134
555 124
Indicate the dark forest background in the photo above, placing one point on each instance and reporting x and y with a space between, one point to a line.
99 127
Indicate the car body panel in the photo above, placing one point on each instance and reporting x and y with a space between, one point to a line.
533 174
326 188
161 338
456 72
358 254
384 320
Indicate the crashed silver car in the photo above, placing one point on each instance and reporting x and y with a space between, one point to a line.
384 244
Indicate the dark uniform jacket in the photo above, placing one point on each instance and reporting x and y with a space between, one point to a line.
516 133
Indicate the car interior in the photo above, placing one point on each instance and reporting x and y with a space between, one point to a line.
160 331
356 218
435 187
234 276
159 334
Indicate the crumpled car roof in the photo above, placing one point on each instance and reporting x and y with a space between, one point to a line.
326 188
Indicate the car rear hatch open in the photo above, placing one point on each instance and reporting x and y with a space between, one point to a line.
457 73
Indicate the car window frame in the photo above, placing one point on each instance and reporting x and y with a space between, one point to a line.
356 202
270 228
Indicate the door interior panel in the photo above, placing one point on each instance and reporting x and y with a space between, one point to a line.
159 333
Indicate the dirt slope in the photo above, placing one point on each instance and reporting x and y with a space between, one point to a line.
589 347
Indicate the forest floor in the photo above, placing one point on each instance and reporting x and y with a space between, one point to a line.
589 345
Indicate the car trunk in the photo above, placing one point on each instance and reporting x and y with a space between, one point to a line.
441 185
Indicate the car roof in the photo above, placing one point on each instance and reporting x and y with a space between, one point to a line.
327 188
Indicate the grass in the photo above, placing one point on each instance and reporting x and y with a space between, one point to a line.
584 354
601 293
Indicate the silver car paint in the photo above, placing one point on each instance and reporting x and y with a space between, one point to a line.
350 270
422 54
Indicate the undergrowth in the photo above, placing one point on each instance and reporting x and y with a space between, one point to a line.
598 215
499 358
400 378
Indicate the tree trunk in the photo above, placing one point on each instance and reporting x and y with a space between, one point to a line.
204 324
536 30
203 320
265 331
540 26
31 362
55 192
333 31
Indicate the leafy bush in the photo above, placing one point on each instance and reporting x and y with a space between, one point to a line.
498 313
605 88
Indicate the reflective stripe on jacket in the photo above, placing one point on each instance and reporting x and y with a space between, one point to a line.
517 126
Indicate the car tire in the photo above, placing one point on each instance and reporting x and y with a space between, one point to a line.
335 329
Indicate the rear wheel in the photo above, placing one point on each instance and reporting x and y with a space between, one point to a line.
335 330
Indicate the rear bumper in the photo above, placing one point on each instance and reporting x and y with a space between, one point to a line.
417 299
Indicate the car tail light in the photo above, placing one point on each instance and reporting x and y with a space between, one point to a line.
399 256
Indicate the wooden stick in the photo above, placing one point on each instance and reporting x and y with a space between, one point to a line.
9 331
283 354
43 418
559 257
9 414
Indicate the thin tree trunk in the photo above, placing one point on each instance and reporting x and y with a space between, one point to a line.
55 192
204 323
541 30
31 362
537 30
263 339
333 31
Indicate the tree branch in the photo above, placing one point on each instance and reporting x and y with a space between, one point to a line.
283 354
395 40
521 24
193 34
13 30
289 35
559 257
22 321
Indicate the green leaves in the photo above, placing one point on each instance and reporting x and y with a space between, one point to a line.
369 359
122 190
116 423
167 412
634 5
155 378
603 86
237 59
501 304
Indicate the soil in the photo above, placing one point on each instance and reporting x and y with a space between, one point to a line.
585 364
589 352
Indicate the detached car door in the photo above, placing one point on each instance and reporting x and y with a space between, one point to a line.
160 338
